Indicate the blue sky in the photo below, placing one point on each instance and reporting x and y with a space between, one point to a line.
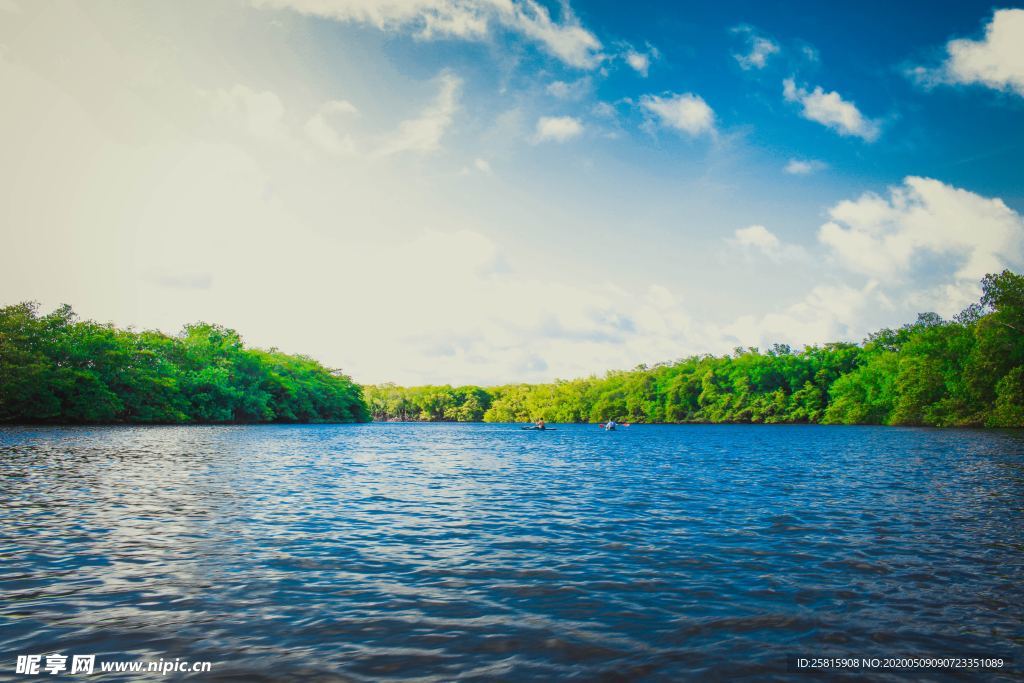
504 190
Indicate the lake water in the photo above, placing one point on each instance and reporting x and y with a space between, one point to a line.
430 551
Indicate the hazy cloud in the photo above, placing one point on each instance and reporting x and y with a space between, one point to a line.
566 40
261 113
557 128
759 48
570 90
804 166
321 128
756 236
423 133
759 239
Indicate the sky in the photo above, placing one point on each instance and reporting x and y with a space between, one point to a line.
491 191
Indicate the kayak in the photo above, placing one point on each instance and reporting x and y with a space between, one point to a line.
540 429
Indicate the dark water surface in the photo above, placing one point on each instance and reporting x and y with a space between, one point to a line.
436 552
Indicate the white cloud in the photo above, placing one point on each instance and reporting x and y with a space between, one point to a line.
826 313
568 41
321 130
804 166
639 62
126 139
570 90
423 133
830 109
759 49
571 328
557 128
925 231
759 239
756 236
924 247
509 327
687 113
427 17
466 19
996 61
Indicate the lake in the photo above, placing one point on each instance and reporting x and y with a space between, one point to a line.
437 551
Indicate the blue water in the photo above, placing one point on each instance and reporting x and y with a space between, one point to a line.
441 552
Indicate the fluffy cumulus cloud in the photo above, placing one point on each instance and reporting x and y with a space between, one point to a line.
803 166
685 113
758 49
827 313
922 247
830 109
925 231
996 61
565 39
557 128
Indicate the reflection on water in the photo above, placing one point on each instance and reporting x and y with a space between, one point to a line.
368 552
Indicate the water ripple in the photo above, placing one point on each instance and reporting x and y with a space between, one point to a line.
440 552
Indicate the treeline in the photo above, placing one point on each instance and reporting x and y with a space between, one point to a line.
963 372
443 403
57 368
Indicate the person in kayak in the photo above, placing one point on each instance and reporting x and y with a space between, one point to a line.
609 425
540 424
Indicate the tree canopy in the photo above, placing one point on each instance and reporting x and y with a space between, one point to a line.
968 371
963 372
57 368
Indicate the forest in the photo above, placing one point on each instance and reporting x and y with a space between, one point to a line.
57 368
968 371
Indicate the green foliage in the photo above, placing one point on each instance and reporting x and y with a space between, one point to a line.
1009 408
55 368
388 402
966 372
